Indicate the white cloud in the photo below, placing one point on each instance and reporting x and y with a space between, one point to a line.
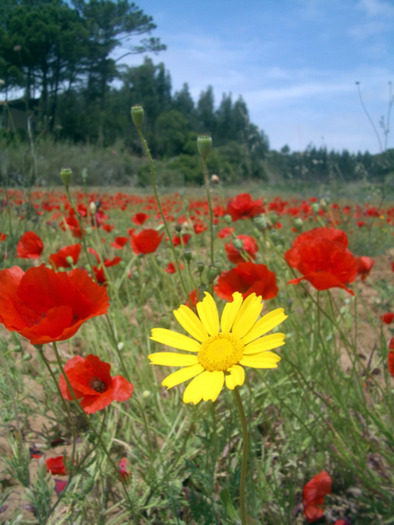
377 8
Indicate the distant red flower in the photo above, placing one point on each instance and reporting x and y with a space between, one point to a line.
199 227
249 246
71 223
61 258
56 466
60 485
321 255
119 242
146 241
3 237
123 469
44 306
92 383
390 358
225 232
140 218
176 241
247 278
30 246
364 266
171 268
313 496
108 227
387 318
243 207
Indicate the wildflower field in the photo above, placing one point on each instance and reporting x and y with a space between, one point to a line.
173 359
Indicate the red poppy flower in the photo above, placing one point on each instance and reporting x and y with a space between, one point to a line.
3 237
146 241
119 242
71 223
56 466
321 255
387 318
313 496
92 383
225 232
60 485
140 218
243 207
199 227
171 268
364 266
123 469
62 258
247 278
30 246
176 241
249 245
45 306
390 358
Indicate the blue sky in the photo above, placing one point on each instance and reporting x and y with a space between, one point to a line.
294 62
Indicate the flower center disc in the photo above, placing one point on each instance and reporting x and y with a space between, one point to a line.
220 352
98 385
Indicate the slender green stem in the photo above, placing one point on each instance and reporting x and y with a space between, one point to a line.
91 425
154 186
245 446
206 181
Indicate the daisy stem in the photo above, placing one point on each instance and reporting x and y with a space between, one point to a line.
245 443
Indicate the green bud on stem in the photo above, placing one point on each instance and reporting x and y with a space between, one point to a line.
204 145
137 114
65 174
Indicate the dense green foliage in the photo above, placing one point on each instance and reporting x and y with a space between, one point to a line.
63 58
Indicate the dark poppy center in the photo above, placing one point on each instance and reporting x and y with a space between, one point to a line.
98 385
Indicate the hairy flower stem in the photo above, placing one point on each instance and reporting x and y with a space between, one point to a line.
90 424
206 181
245 444
155 192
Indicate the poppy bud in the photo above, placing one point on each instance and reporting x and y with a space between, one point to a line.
238 244
297 223
65 174
137 114
274 218
84 175
204 145
260 222
70 260
315 207
200 267
228 219
187 255
212 272
93 207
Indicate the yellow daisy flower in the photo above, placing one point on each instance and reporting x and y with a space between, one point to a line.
218 352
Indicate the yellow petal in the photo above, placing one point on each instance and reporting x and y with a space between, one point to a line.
208 314
182 375
173 359
263 360
179 341
213 385
264 325
269 342
191 323
247 315
230 312
195 389
236 377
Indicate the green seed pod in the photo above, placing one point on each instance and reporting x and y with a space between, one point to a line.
212 272
238 244
297 223
204 145
65 174
137 114
228 219
260 222
187 255
315 207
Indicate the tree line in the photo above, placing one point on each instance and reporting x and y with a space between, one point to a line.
67 58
